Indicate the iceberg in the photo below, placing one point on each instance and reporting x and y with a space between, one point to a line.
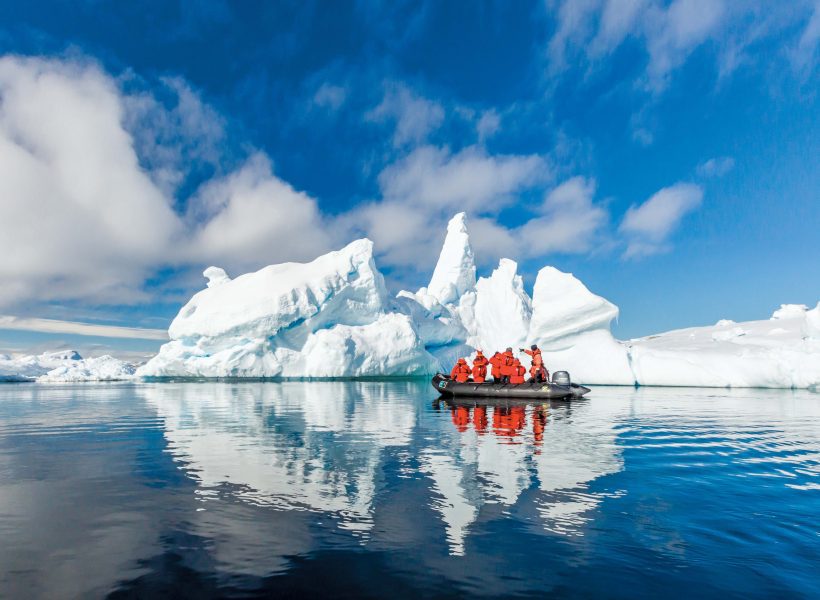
333 318
62 367
781 352
571 325
327 318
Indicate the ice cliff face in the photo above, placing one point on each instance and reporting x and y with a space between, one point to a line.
327 318
333 318
59 367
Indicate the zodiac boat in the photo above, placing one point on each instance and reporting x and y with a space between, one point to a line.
559 387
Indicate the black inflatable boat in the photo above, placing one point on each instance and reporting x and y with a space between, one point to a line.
559 387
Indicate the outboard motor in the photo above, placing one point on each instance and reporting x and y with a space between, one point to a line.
561 378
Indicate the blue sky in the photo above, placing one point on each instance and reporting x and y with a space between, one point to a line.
664 152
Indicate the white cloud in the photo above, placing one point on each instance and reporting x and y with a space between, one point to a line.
78 217
415 117
76 328
471 179
672 34
618 20
575 20
251 218
421 191
716 167
330 96
648 226
569 221
86 211
408 224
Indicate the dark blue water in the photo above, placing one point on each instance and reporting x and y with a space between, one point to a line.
368 489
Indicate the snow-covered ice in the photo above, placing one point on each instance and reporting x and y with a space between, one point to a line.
64 366
326 318
783 351
333 317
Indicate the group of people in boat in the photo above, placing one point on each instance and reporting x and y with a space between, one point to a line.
505 367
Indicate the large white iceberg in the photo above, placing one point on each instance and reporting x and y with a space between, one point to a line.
64 366
326 318
334 318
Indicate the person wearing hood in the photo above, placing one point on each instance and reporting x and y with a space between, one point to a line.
480 367
460 372
507 360
496 361
538 372
518 372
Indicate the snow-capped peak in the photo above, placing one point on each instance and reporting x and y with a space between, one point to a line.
455 271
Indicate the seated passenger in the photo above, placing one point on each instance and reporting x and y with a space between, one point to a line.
507 360
461 372
496 361
480 367
518 372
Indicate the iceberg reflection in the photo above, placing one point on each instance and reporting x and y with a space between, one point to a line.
292 446
323 446
503 448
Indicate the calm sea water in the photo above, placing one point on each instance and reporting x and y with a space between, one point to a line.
364 489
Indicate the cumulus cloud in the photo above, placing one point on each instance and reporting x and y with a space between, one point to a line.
251 218
648 226
421 191
414 117
716 167
470 179
79 217
569 220
87 211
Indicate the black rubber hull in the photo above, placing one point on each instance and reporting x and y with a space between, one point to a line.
524 391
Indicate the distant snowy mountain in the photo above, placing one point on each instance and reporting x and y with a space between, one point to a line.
333 318
58 367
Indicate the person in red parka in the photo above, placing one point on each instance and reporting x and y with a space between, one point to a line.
538 372
518 372
461 372
480 367
496 361
507 360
